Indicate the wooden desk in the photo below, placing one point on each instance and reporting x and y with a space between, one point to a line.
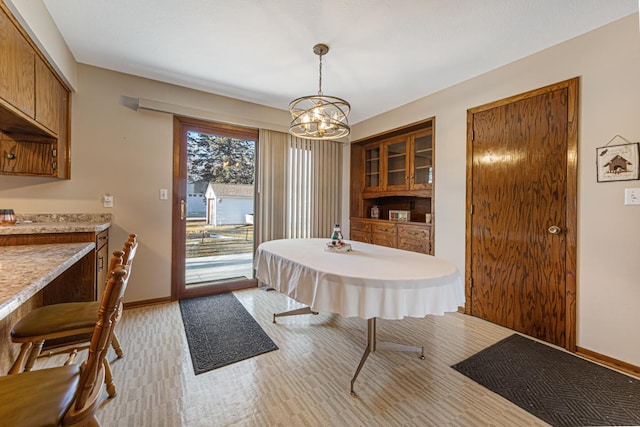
32 274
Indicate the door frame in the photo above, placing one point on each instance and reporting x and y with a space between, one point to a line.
179 198
572 86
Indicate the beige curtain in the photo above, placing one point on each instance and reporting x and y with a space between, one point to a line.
299 186
269 220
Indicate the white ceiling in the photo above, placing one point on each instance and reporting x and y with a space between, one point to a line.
383 53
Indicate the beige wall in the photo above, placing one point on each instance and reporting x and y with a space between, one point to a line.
608 63
110 139
129 154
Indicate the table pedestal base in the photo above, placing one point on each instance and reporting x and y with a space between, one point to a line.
303 310
373 345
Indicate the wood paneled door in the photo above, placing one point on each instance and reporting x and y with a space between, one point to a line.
521 212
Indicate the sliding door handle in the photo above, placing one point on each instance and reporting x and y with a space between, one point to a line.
183 208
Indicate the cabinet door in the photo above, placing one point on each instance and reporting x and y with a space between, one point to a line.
414 238
372 167
102 261
52 111
26 157
421 161
397 164
63 169
50 98
16 68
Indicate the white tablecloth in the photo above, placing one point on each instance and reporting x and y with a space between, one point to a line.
370 281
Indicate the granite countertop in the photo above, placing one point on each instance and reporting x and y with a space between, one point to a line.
57 223
25 270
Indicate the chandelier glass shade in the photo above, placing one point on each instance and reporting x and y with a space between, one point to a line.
319 116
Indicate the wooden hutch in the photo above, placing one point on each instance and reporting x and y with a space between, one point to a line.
394 171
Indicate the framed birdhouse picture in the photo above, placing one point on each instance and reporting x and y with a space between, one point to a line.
618 162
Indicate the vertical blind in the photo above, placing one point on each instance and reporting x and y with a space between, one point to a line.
299 187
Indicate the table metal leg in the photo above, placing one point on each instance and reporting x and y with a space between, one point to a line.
373 345
303 310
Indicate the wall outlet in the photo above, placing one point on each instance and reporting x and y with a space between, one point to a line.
107 200
632 196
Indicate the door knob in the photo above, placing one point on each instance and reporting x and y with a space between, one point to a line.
554 229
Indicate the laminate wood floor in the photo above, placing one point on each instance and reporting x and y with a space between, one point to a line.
306 382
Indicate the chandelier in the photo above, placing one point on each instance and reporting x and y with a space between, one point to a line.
319 116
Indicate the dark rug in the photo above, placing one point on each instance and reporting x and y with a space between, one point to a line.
220 331
555 386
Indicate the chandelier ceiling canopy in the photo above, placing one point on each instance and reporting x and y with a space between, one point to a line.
319 116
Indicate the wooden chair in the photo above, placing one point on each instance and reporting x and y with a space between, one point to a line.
67 395
72 323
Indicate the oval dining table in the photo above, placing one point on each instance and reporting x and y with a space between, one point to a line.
369 281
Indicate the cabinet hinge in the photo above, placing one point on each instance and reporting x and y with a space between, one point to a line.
54 152
471 210
470 282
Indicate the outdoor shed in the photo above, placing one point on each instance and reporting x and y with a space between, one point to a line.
229 204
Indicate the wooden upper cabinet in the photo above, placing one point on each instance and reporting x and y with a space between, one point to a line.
34 107
399 164
51 98
17 73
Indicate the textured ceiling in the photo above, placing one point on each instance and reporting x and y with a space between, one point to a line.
383 53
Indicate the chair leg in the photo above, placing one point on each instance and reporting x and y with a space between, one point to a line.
116 345
108 379
33 355
17 365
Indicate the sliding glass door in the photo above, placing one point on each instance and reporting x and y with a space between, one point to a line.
213 236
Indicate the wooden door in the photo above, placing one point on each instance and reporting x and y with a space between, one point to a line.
521 225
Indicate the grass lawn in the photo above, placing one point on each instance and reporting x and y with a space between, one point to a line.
208 240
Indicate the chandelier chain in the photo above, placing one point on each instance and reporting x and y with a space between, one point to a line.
320 77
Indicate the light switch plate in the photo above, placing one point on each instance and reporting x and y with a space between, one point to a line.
107 201
164 194
632 196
